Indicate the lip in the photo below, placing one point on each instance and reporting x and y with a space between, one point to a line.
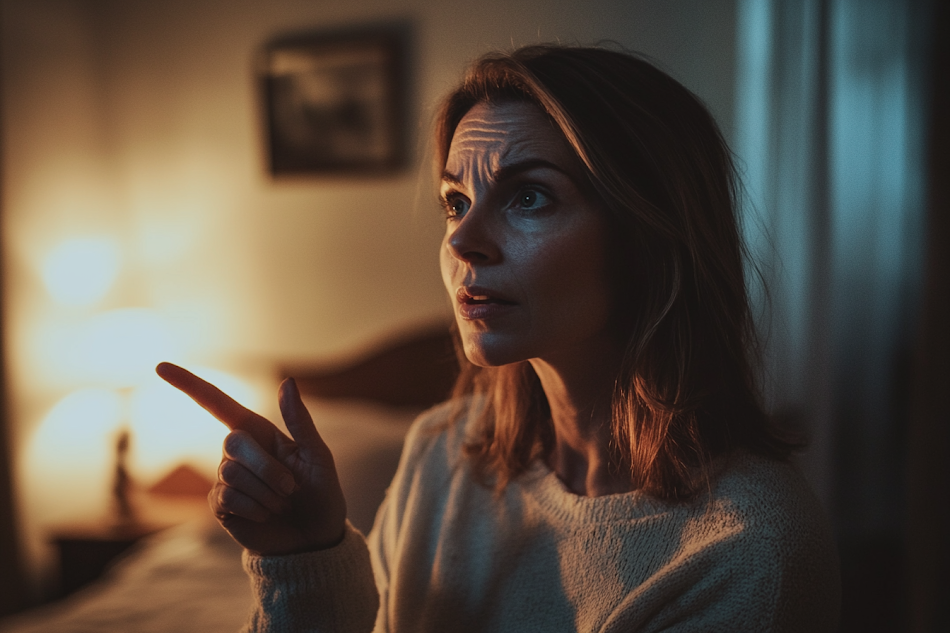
477 303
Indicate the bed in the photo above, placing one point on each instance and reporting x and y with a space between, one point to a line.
189 578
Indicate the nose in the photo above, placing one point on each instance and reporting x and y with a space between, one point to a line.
474 238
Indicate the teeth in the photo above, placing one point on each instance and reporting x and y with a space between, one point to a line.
480 298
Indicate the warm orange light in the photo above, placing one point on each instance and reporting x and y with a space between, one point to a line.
69 459
68 468
168 428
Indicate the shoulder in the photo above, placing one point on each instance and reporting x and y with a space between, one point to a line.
769 529
771 498
753 553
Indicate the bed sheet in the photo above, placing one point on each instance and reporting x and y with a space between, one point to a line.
185 579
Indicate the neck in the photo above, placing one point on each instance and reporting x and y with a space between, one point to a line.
580 394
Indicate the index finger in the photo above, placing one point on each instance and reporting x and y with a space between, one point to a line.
219 404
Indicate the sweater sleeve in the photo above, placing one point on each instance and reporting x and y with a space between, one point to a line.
339 589
330 590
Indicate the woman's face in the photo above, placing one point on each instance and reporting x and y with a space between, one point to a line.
523 257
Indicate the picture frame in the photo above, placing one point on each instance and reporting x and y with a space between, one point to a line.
335 102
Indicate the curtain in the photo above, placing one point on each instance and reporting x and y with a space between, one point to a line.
830 137
928 476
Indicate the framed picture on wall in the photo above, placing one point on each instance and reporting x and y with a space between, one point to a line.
335 102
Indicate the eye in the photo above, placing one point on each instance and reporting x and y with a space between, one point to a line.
454 205
531 199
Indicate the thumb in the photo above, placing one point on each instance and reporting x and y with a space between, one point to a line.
298 420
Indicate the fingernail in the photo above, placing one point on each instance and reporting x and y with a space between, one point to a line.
287 484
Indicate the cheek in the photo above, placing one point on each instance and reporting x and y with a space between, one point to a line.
568 264
574 279
448 266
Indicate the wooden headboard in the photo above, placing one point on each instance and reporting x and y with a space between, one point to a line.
414 369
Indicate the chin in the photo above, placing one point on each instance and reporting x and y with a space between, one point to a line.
491 350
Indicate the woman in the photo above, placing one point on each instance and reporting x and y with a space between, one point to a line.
605 464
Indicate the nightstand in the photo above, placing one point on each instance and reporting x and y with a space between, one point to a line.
85 551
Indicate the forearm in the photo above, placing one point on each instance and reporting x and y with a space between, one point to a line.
329 590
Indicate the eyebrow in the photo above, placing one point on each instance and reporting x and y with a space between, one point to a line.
509 171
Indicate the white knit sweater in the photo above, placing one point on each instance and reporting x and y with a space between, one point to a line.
449 555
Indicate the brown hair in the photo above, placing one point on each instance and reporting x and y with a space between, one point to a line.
661 171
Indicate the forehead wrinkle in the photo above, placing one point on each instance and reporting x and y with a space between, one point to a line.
479 124
484 144
479 131
470 164
471 158
520 149
489 161
490 132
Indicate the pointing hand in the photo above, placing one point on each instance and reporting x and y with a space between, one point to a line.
274 495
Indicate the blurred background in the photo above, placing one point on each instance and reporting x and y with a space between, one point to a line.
140 222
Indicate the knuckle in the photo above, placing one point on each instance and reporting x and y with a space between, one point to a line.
214 500
234 442
228 498
228 471
227 521
237 504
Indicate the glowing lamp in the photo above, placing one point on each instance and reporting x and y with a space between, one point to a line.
68 461
80 271
170 428
120 347
118 429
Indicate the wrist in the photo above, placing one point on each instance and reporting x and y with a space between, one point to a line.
286 548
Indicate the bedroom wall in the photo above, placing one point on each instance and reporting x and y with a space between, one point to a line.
136 122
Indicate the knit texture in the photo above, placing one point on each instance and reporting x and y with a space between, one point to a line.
448 554
329 590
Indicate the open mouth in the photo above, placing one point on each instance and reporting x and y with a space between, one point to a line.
479 297
485 299
480 304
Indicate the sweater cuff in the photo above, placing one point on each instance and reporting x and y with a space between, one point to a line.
328 590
